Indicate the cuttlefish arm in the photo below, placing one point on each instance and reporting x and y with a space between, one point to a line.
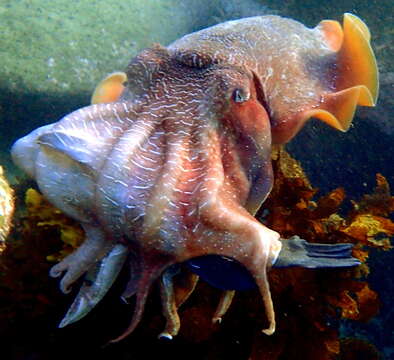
229 275
96 284
294 252
102 274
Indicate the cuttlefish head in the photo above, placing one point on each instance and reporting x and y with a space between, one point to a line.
173 169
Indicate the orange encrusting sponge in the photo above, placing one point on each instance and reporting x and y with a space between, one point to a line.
357 81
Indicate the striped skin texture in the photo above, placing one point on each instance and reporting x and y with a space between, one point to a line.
171 174
177 167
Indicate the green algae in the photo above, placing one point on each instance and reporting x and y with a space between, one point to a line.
66 46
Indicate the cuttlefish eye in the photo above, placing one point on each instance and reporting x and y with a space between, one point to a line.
240 95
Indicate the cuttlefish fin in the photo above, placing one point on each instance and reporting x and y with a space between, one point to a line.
339 107
333 34
357 80
356 60
109 89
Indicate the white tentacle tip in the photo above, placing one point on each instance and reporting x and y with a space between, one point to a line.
165 336
270 330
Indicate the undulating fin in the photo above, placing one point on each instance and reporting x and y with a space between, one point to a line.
339 107
333 33
109 89
357 81
356 60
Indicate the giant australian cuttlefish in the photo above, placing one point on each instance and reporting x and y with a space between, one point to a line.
172 160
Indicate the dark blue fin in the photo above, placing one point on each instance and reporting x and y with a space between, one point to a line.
225 273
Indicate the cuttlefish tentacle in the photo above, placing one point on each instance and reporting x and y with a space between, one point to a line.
218 183
225 301
134 268
151 272
259 246
233 232
73 160
175 288
97 282
175 166
169 305
185 283
167 164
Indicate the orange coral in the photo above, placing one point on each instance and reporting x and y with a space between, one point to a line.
292 209
40 230
308 303
44 215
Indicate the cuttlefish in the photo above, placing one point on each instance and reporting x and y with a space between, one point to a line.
167 168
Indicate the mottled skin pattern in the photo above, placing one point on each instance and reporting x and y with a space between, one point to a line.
179 164
277 52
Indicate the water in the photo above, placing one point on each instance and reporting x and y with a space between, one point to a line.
53 53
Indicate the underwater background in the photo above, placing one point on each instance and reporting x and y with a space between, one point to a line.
52 54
